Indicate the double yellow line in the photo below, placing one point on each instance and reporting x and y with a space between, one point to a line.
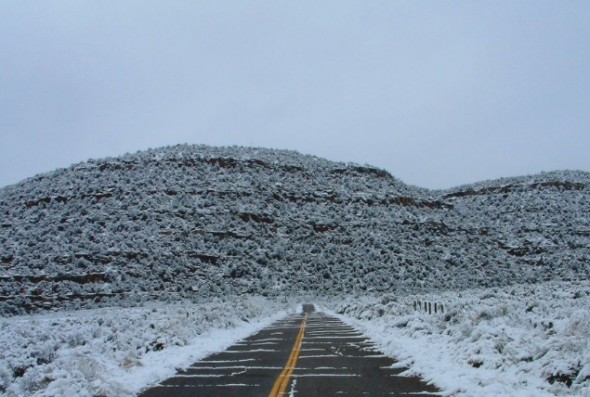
283 380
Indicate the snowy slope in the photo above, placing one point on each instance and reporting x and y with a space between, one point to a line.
196 221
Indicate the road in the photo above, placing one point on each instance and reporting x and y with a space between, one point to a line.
308 354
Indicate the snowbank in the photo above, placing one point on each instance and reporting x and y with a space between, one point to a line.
119 351
527 340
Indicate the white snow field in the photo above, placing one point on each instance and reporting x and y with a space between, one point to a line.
115 352
526 340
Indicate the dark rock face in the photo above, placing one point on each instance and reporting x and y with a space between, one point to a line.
196 221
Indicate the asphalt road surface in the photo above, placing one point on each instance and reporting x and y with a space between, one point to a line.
305 355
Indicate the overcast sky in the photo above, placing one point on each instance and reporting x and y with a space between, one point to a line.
437 93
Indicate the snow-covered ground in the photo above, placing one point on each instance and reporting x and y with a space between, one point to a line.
507 341
488 342
118 351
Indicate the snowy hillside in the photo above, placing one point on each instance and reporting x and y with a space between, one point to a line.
197 221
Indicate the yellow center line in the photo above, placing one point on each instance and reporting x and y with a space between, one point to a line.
283 380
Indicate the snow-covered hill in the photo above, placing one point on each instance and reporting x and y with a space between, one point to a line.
198 221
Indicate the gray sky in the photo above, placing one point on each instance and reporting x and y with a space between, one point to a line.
437 93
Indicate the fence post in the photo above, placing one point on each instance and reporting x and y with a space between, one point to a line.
438 307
